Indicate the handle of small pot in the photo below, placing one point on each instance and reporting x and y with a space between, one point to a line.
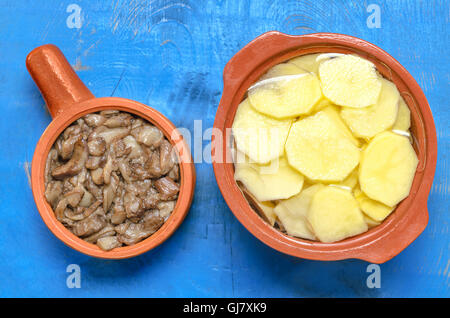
253 54
60 86
405 232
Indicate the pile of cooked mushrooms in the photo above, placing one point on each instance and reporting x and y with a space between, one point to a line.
112 178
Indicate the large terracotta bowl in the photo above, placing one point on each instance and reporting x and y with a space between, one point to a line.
67 100
410 218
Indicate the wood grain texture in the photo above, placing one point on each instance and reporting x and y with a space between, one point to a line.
170 55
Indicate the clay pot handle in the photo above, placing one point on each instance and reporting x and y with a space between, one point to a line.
60 86
253 54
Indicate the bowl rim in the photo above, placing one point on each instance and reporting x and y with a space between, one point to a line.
62 121
377 245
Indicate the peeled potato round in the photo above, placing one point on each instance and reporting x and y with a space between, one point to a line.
346 158
319 150
260 137
350 81
333 114
375 210
293 211
369 121
334 215
264 208
403 121
387 168
350 182
311 62
283 69
274 181
307 62
286 96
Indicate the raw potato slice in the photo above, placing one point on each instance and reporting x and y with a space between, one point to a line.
333 113
283 69
350 182
370 222
387 168
334 215
369 121
293 211
310 62
307 62
319 150
286 96
322 104
274 181
403 121
265 209
375 210
350 81
260 137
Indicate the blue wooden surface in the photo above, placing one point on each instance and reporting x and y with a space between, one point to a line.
170 55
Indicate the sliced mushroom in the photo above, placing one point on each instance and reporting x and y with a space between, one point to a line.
152 221
94 120
95 162
109 112
60 208
165 208
109 167
67 186
135 232
75 164
80 177
174 173
136 149
96 146
119 215
108 230
74 197
50 165
109 192
154 165
167 188
67 146
80 215
87 199
93 188
137 122
89 225
125 170
74 215
122 228
148 135
132 204
107 243
53 192
166 157
119 120
112 134
71 131
141 187
120 149
151 199
97 176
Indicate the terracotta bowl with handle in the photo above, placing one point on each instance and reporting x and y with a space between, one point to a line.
67 100
410 218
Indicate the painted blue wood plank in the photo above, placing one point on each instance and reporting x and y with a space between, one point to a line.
170 55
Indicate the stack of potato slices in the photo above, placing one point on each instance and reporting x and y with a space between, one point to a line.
323 147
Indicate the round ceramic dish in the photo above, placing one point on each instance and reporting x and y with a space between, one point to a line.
67 100
410 218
